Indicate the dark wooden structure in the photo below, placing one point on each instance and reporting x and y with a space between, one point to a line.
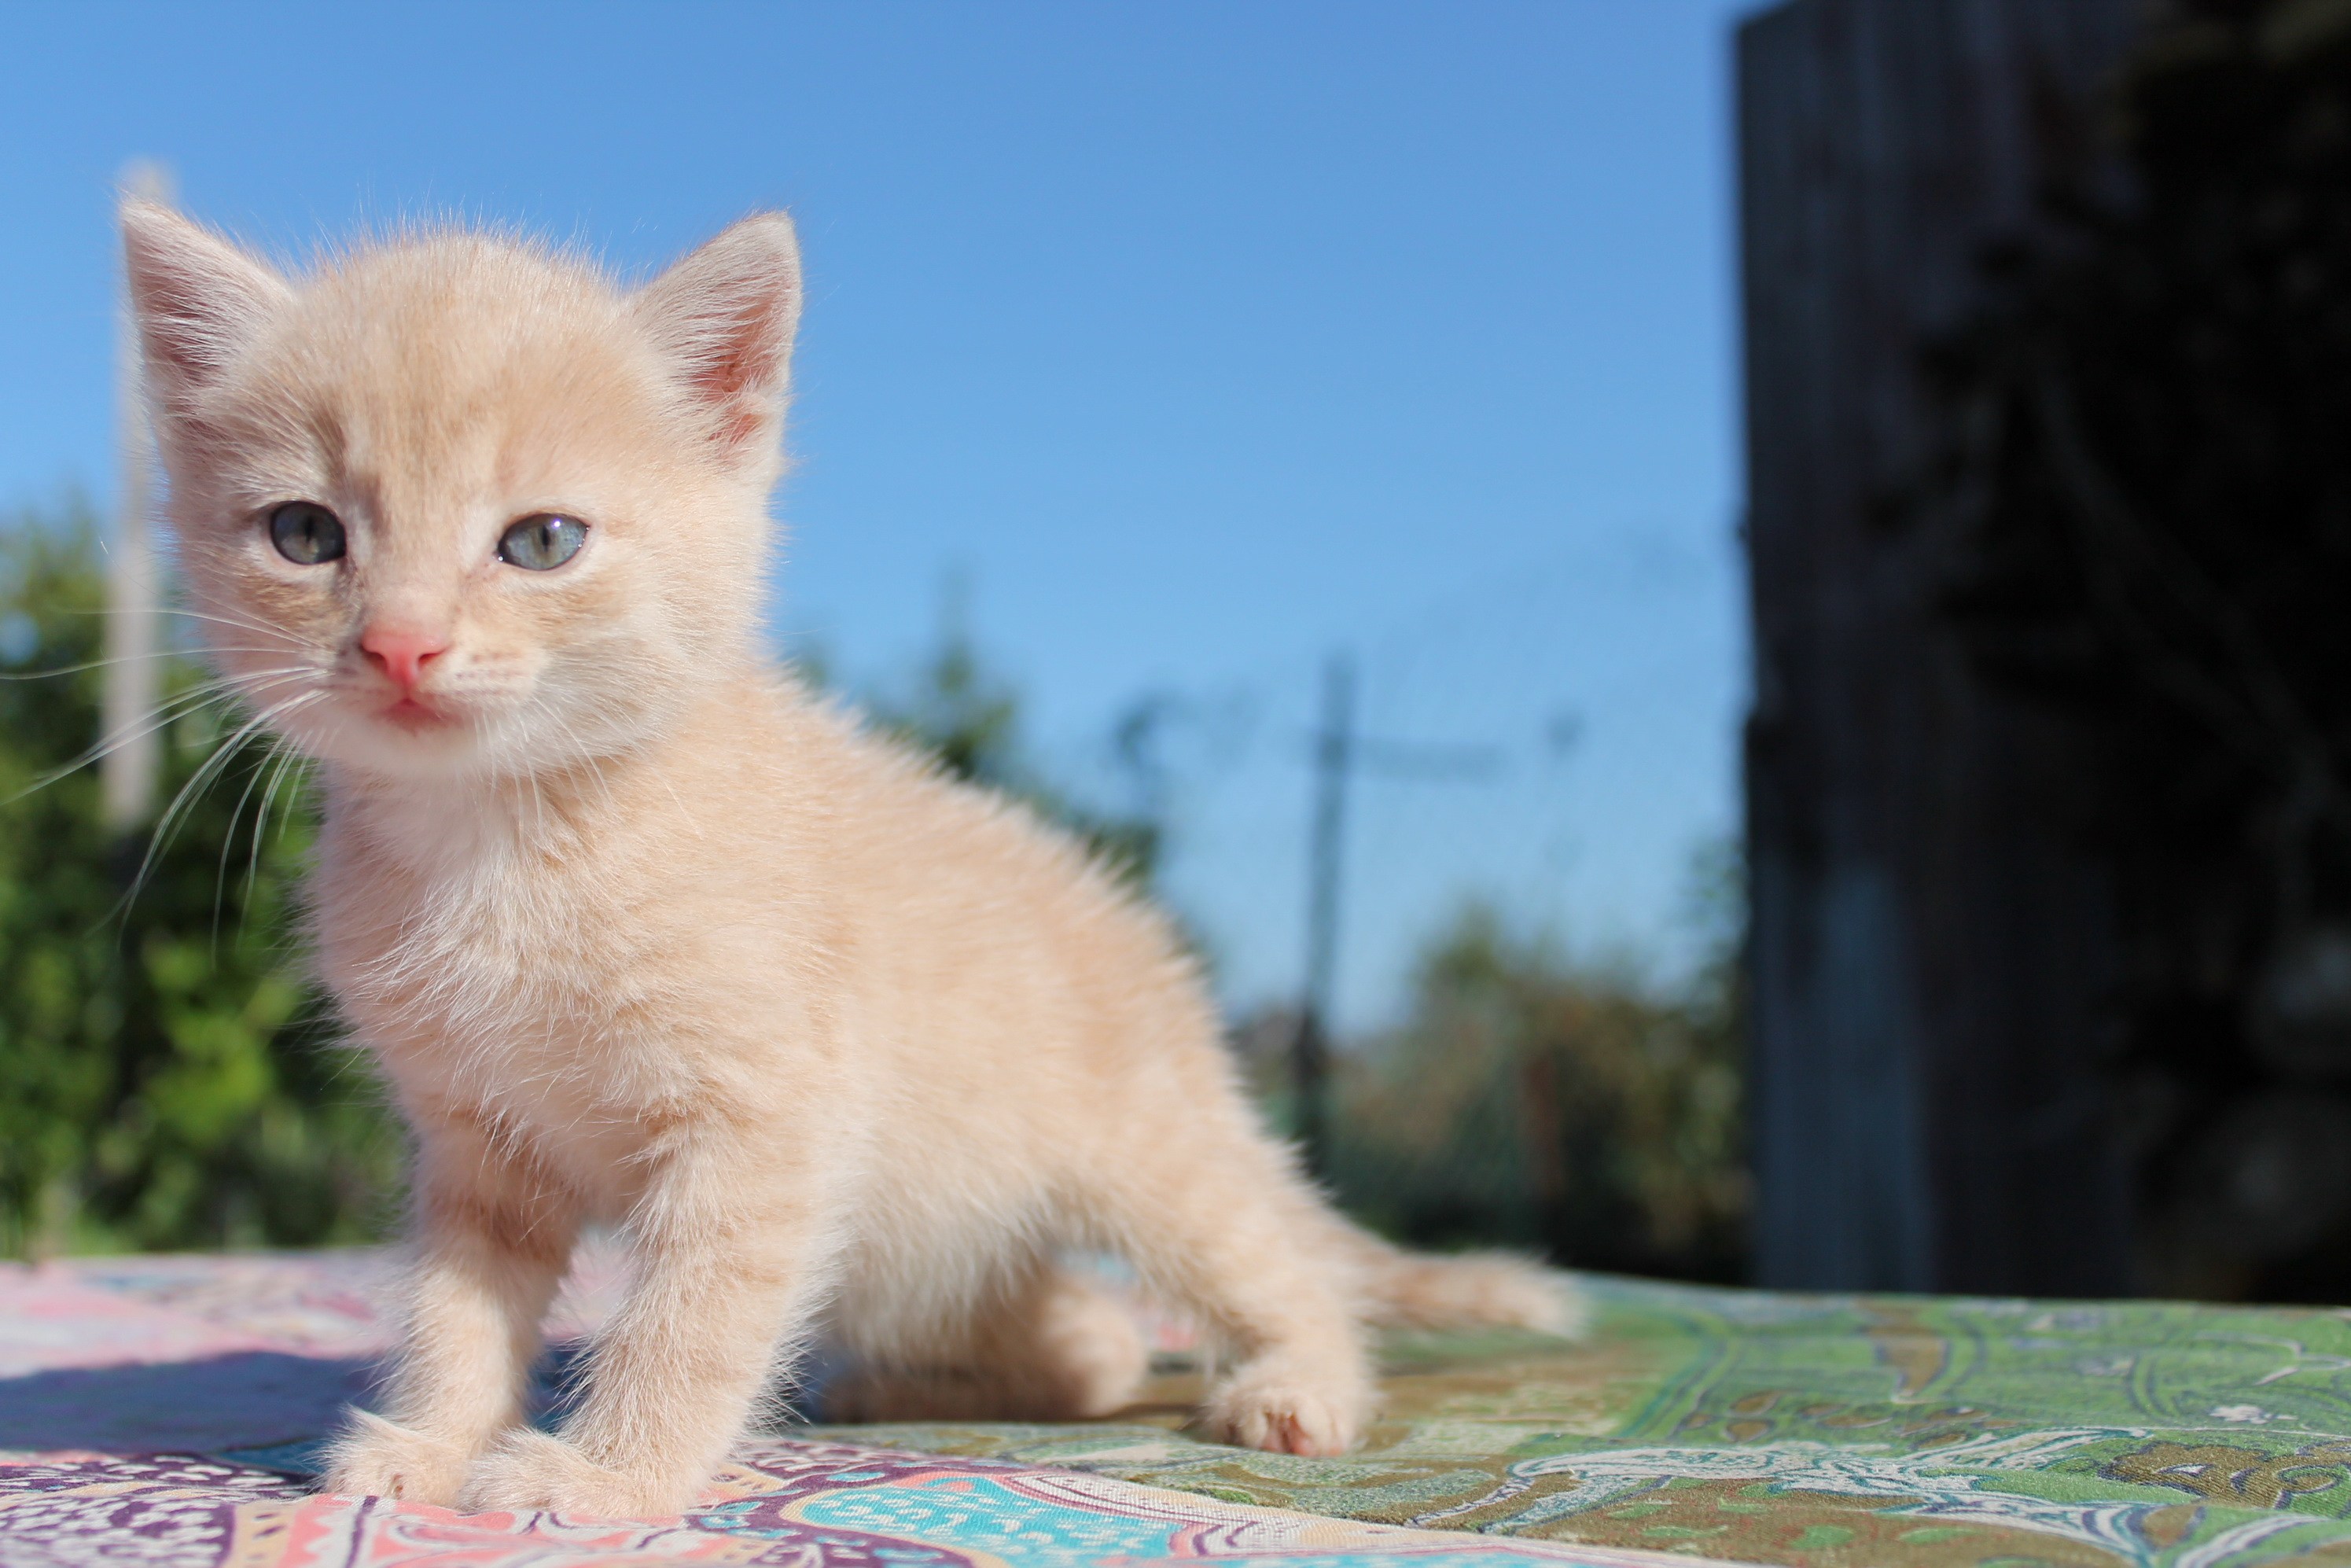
1930 953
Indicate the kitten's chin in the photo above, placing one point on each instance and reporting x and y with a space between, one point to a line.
407 741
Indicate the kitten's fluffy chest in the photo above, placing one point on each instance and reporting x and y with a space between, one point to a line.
504 962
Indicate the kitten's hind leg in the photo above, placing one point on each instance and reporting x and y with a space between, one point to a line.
1222 1236
1055 1346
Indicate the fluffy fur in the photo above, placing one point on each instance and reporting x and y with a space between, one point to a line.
642 934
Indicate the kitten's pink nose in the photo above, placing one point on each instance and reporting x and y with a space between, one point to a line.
402 652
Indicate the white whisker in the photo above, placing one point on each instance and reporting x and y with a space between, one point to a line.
228 842
199 780
107 663
165 713
287 759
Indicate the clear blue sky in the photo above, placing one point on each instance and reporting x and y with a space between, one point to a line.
1201 337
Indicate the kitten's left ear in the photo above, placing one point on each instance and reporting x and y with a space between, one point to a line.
725 317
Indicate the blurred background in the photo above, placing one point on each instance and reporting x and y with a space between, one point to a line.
1724 622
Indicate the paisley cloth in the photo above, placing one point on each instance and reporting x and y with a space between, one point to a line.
164 1410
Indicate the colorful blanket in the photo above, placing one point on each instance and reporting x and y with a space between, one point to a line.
165 1410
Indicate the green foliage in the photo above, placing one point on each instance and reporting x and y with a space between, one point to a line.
167 1078
1534 1102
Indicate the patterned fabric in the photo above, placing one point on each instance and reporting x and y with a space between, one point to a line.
1735 1427
792 1504
1840 1432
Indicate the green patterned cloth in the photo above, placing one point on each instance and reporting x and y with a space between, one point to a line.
1832 1432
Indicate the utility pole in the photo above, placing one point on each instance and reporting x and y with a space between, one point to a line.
1309 1057
1339 753
134 624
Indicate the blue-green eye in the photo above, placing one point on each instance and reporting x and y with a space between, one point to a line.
542 542
306 533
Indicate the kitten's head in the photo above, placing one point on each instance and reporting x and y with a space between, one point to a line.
452 505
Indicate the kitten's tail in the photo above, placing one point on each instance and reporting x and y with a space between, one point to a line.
1396 1289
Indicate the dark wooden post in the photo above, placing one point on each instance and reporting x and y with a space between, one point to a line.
1931 951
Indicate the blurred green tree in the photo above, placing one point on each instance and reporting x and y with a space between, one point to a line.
168 1078
1574 1109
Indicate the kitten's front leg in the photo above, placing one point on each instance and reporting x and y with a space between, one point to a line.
731 1253
493 1236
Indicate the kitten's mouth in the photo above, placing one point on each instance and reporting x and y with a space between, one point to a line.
414 714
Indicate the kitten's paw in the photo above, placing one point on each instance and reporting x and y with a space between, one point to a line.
527 1470
1282 1413
374 1458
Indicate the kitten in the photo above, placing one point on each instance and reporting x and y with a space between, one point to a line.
641 932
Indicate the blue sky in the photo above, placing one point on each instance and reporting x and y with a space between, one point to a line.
1199 338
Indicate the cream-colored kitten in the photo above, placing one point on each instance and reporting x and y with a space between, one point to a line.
642 933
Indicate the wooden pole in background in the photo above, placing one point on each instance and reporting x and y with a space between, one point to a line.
133 584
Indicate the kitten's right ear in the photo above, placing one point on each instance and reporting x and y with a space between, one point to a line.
198 299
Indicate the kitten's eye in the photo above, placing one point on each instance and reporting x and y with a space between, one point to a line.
306 533
543 542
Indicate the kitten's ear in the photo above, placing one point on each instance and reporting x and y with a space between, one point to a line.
725 317
198 298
